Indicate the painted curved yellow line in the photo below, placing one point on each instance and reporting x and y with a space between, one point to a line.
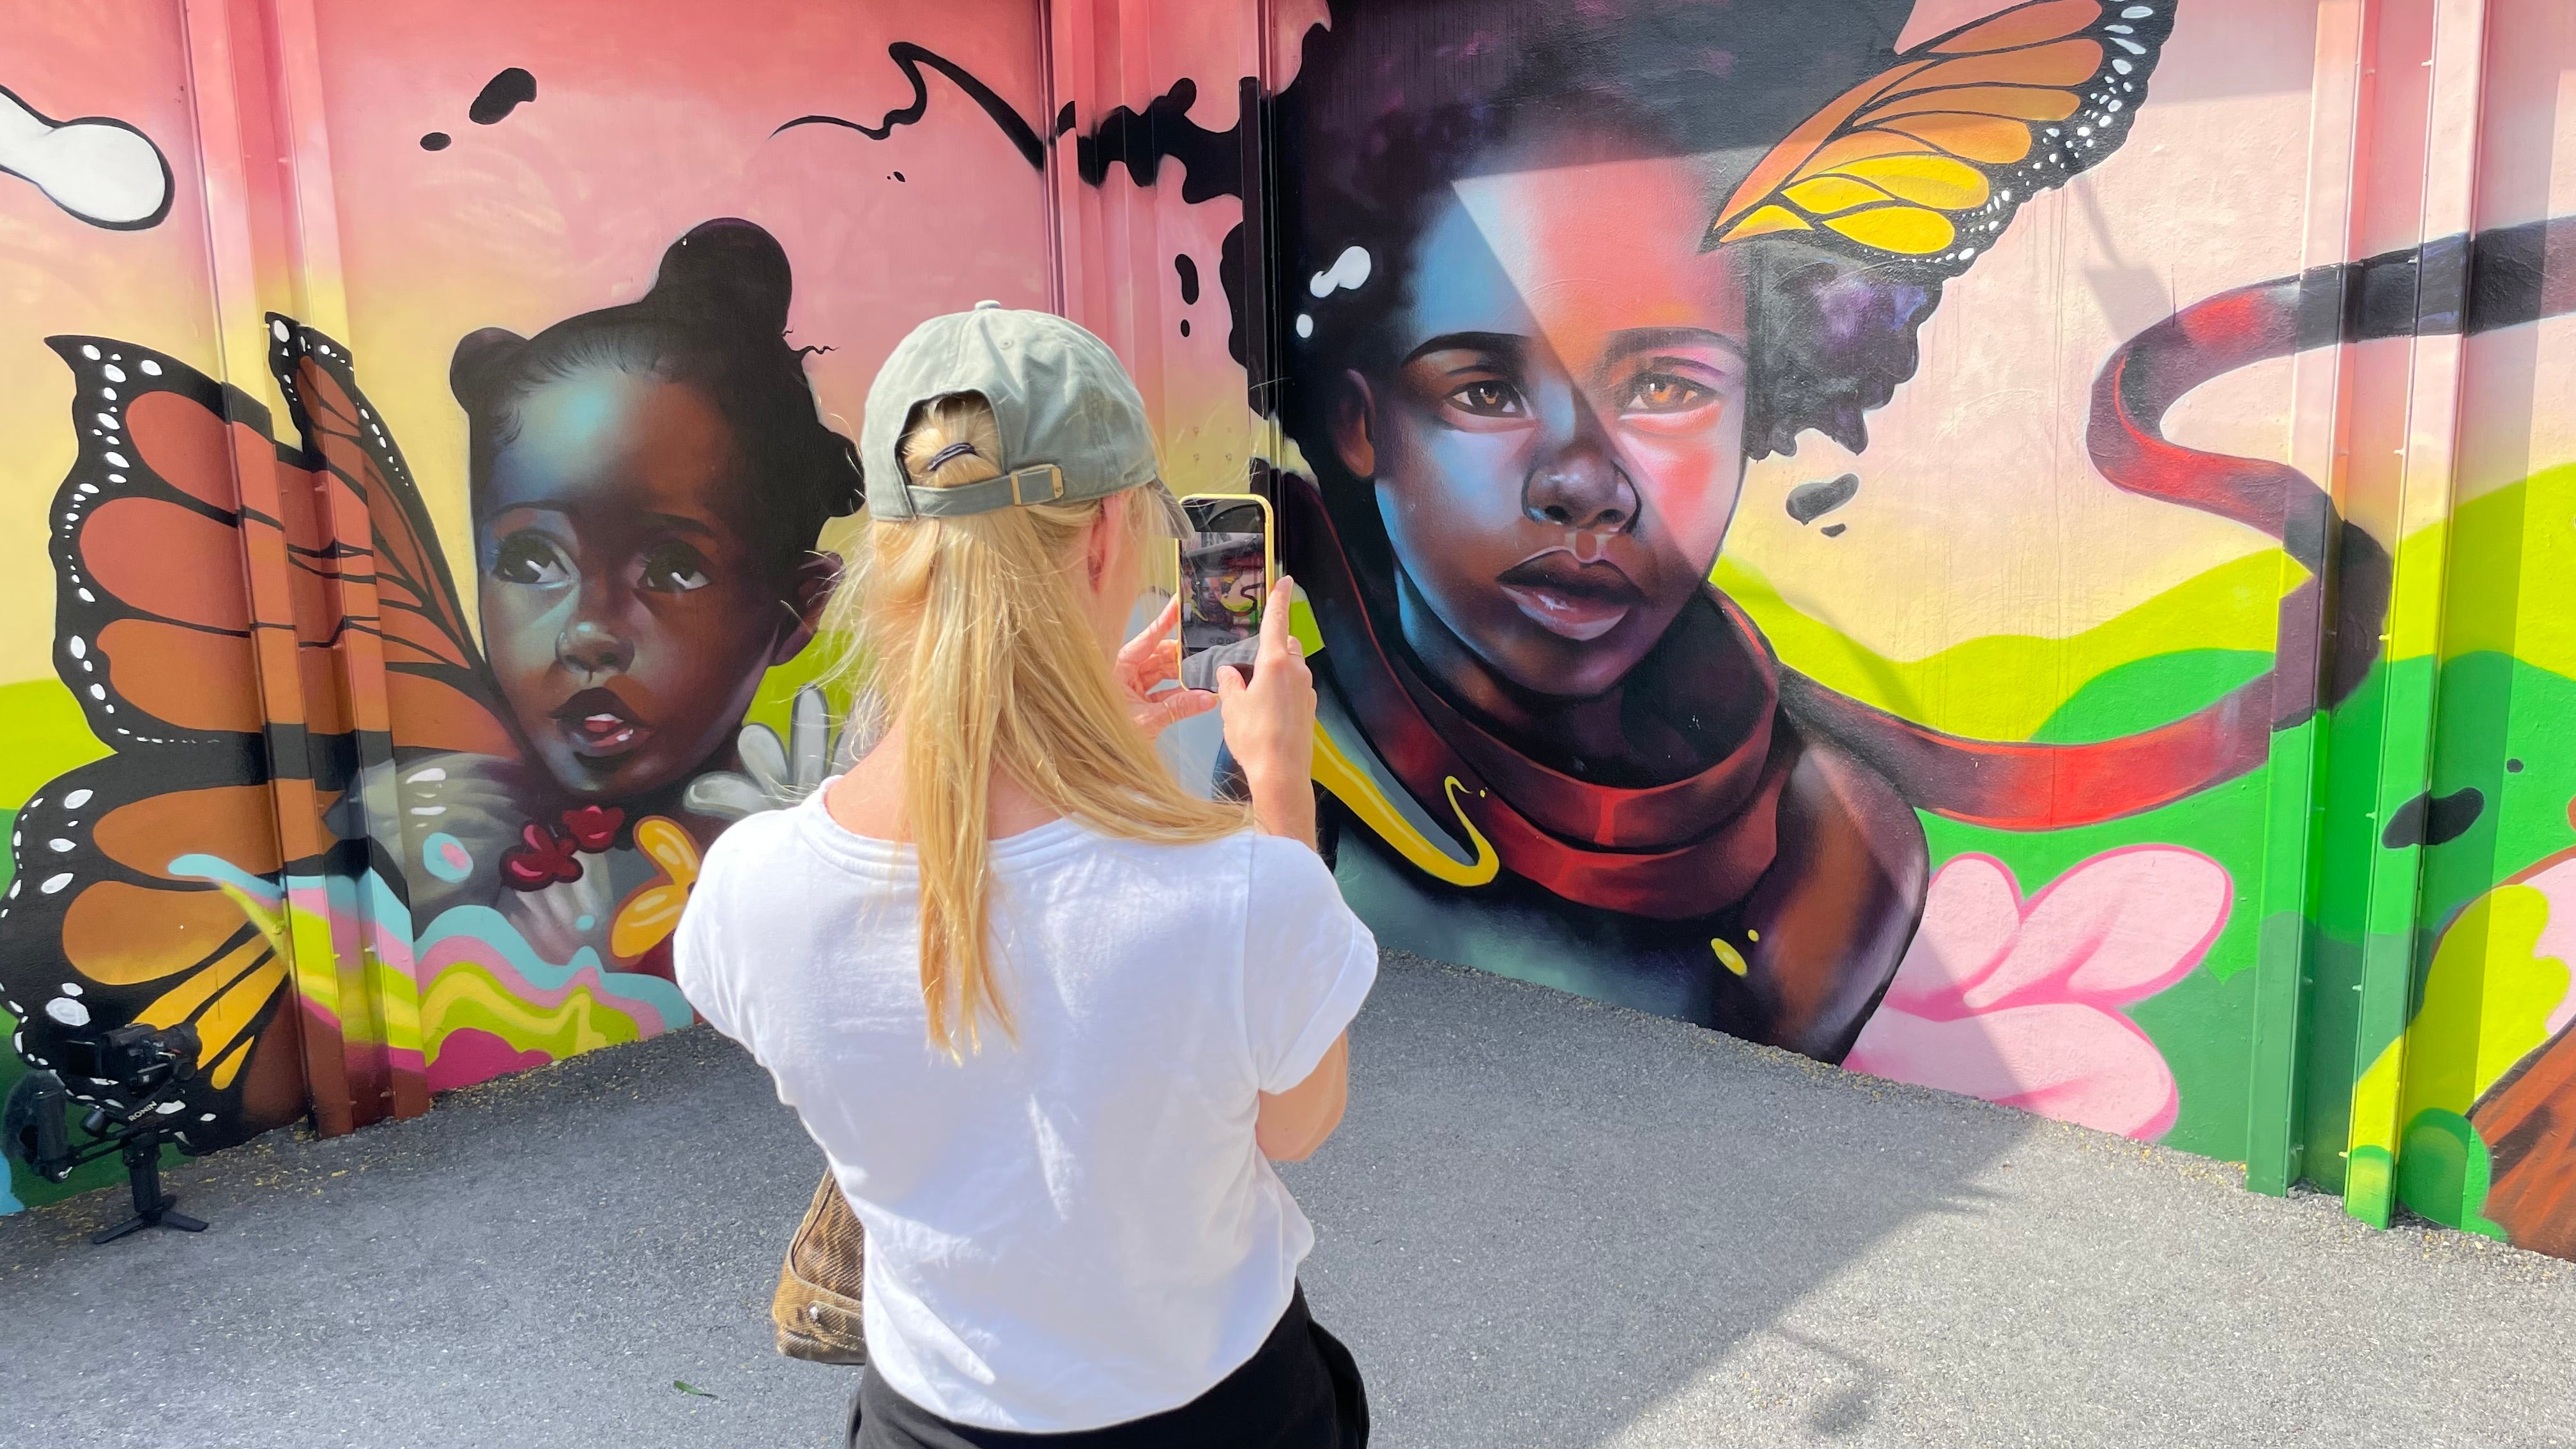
1335 772
466 995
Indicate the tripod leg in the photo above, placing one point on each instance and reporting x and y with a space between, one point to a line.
130 1225
152 1206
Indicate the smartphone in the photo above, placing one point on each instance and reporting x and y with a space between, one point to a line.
1227 564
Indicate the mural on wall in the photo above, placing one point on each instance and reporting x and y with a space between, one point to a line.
391 778
512 835
1793 506
1544 286
1530 361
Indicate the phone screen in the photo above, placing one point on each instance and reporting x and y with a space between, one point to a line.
1225 576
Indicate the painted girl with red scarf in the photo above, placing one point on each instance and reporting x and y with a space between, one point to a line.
1548 280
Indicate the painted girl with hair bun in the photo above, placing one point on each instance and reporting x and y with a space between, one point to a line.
648 484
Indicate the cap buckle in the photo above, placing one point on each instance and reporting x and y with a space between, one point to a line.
1047 474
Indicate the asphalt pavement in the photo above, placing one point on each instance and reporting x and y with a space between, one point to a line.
1544 1223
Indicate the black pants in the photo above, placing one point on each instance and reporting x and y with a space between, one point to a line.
1301 1390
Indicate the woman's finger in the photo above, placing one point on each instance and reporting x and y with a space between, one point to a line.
1171 707
1275 635
1164 663
1139 650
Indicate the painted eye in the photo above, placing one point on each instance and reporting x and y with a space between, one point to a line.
1490 398
674 568
1662 392
531 558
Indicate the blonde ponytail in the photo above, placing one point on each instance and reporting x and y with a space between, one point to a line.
984 656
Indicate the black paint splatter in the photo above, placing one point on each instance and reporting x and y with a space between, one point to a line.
910 58
2513 767
1833 530
897 175
1811 501
1140 140
436 141
501 95
1189 271
2434 820
1185 327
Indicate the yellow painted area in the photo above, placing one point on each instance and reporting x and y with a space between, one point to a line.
1827 194
1727 955
1906 230
238 1006
1925 180
180 1002
1764 221
468 996
1302 627
2487 1000
1352 786
2004 686
2512 557
653 912
42 734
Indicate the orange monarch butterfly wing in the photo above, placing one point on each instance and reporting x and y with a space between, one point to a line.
1926 162
438 694
146 886
151 886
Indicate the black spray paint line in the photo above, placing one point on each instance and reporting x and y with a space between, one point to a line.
910 58
1139 140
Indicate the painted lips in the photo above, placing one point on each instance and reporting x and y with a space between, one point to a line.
597 724
1578 601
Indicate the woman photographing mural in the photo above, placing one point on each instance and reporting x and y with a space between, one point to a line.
1049 1015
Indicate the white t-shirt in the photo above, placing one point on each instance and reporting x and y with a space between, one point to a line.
1076 1230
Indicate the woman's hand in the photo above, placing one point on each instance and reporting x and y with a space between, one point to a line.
1270 724
1153 659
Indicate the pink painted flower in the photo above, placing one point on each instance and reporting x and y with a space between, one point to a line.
2019 1001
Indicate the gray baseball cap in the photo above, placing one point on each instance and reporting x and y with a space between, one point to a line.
1072 424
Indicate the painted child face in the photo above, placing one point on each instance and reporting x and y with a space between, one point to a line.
627 618
1560 446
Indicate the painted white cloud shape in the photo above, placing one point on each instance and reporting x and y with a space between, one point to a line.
97 168
1349 270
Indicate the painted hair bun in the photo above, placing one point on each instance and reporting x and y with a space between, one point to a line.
726 273
483 364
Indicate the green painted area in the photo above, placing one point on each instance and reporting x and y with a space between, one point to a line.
2443 1173
2345 839
2006 686
2148 692
821 662
2503 727
42 734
